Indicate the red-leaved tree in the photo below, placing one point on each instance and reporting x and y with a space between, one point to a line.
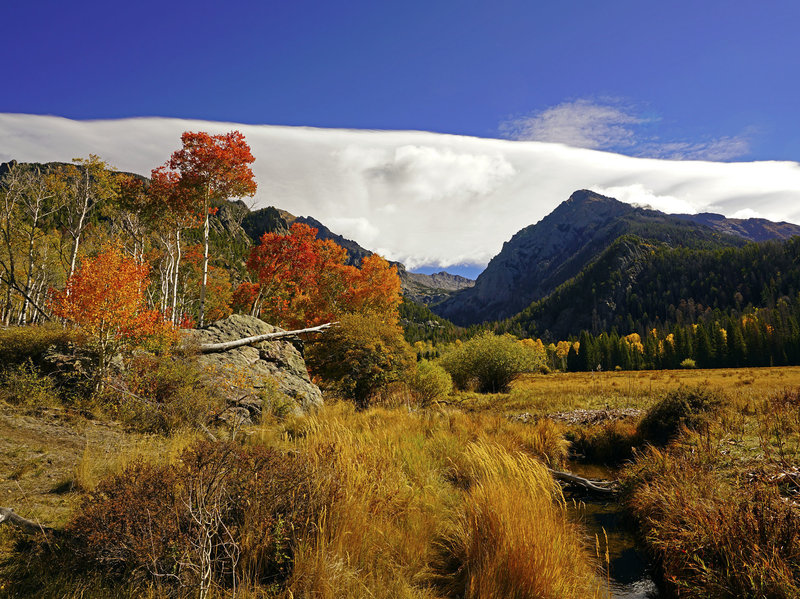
208 169
303 281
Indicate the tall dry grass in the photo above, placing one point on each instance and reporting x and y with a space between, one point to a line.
513 539
713 536
433 504
100 460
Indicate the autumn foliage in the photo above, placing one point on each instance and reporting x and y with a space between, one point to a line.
217 165
209 169
105 297
302 281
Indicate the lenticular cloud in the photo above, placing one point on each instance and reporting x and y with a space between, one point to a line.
421 198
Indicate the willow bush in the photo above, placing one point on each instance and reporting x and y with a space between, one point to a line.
488 363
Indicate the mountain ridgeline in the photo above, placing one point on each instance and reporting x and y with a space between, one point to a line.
595 263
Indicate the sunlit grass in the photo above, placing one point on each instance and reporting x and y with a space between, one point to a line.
543 394
414 484
455 499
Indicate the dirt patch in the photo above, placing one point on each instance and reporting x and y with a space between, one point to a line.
581 417
38 455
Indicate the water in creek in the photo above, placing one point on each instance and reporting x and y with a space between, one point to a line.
628 566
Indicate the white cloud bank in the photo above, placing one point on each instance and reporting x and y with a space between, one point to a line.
422 198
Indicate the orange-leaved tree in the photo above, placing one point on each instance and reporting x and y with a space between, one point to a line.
209 169
303 281
105 297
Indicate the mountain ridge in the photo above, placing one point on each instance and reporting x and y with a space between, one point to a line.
542 256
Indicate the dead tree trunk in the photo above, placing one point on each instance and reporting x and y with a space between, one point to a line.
208 348
25 525
587 484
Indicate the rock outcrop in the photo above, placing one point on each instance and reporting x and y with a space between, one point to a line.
255 370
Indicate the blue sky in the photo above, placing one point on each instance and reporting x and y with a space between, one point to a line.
701 79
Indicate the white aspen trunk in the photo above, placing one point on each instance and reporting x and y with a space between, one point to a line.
165 272
175 276
76 243
41 295
7 307
256 304
76 235
164 280
206 228
29 279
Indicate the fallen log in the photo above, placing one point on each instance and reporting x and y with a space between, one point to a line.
587 484
27 526
208 348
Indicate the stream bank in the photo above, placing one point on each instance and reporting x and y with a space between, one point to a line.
629 567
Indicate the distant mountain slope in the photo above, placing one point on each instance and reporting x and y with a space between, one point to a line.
543 256
592 299
752 229
431 289
636 284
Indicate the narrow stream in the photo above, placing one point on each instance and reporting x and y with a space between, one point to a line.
629 571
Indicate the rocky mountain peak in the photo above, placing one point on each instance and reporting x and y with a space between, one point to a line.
540 257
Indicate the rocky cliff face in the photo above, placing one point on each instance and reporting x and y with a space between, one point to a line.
431 289
253 371
536 259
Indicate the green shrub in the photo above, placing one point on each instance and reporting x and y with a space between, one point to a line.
361 356
685 406
688 363
430 382
160 394
232 511
488 363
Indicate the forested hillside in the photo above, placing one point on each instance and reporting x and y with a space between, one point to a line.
725 307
